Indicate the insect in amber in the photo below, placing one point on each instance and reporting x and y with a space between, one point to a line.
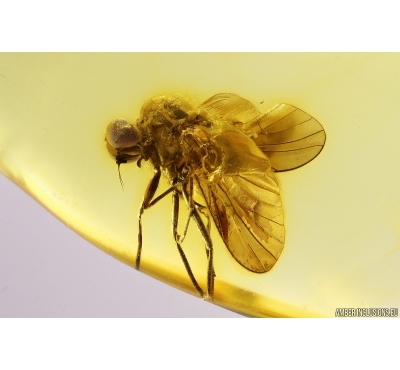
228 152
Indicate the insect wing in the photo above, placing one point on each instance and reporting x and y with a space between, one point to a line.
244 201
231 108
288 136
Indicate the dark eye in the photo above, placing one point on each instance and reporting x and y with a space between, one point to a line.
121 134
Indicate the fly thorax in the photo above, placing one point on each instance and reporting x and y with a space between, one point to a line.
164 118
167 110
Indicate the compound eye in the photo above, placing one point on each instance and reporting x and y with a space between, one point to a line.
121 134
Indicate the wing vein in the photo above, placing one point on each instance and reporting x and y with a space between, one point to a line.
240 233
275 222
292 150
239 217
293 141
259 187
280 119
291 127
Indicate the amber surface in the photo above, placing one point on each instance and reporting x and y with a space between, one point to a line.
342 210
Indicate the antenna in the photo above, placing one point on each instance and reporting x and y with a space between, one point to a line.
120 177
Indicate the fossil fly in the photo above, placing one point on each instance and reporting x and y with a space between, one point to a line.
228 152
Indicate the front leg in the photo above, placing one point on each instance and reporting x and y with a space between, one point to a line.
148 196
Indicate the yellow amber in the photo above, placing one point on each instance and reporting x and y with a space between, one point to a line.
342 210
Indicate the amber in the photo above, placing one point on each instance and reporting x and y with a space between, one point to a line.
341 210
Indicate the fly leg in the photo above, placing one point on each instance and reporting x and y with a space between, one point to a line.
148 201
210 253
175 216
201 209
205 233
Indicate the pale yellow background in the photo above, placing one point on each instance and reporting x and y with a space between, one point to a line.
342 209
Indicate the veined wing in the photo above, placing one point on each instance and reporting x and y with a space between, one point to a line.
244 200
231 108
248 214
288 136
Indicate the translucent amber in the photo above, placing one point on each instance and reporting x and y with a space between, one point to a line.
341 210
